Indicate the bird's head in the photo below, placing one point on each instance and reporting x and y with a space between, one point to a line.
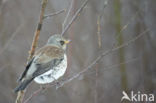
58 40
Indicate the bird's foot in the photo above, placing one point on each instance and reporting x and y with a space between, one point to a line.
58 84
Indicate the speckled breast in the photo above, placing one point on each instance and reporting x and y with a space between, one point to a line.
53 74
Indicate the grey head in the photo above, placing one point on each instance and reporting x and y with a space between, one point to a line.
58 40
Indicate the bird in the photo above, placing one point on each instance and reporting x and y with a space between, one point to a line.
48 64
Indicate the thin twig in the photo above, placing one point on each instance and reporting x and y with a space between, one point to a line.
99 44
12 37
39 27
98 31
125 26
97 65
67 16
39 90
53 14
116 65
111 67
74 17
105 4
34 93
98 24
20 94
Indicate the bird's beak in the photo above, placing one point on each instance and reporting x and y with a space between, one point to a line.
67 41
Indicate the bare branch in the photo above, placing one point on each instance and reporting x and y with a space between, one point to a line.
105 4
98 24
12 37
74 17
39 27
98 31
20 96
53 14
35 93
97 70
125 26
67 16
111 67
116 65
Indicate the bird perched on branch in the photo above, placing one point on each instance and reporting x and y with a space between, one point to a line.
47 65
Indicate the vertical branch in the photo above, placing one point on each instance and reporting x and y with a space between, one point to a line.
53 14
39 26
67 16
35 93
99 45
20 94
71 13
20 97
98 31
97 65
120 42
126 25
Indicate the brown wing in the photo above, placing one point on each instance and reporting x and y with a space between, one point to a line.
47 53
46 58
25 71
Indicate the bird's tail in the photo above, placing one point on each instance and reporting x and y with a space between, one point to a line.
23 85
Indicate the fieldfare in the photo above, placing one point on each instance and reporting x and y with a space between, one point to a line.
47 65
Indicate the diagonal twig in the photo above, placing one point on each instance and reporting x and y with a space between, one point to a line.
74 17
12 37
111 67
53 14
67 16
35 93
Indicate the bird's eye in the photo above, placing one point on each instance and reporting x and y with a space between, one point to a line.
62 42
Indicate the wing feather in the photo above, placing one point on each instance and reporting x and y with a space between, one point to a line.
49 56
47 53
25 71
45 58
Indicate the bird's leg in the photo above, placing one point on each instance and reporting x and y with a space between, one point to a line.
56 81
57 84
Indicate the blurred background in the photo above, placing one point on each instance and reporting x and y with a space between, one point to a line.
130 68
